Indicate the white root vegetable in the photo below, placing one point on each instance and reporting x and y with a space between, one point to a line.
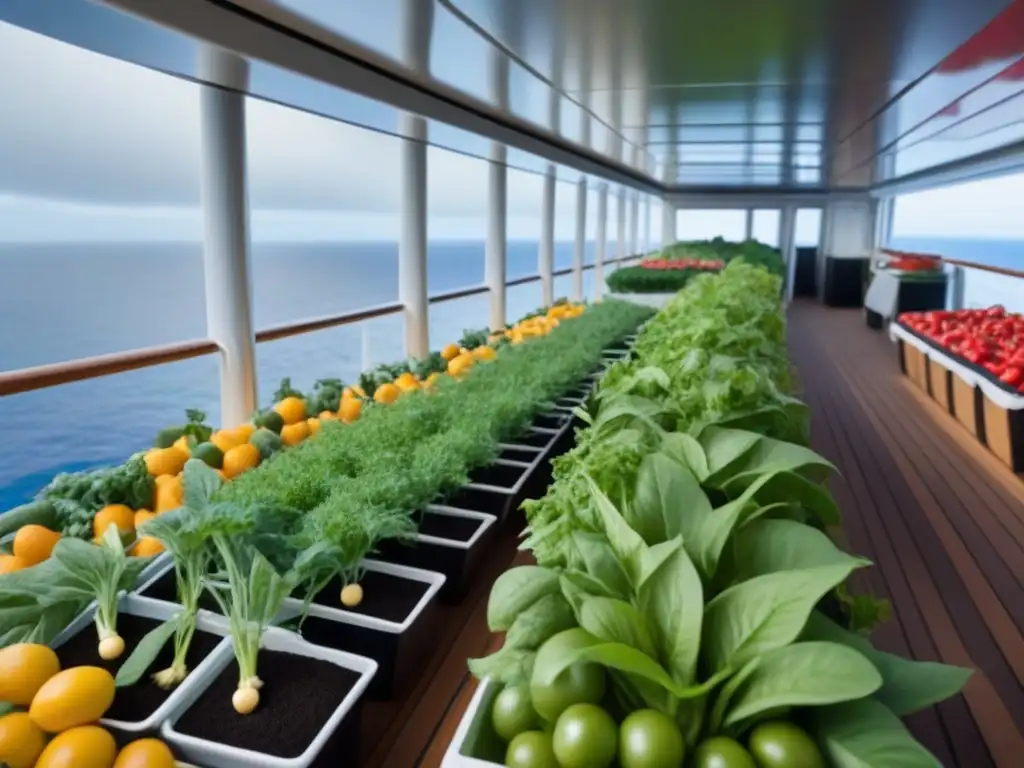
111 647
351 595
247 696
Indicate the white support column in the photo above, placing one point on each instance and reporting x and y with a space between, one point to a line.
647 224
412 248
602 241
620 234
546 255
634 224
226 239
494 257
787 245
748 228
580 244
668 223
497 212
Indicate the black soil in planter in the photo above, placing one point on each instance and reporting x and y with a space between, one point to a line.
166 588
518 454
498 475
385 596
398 655
298 697
458 564
134 703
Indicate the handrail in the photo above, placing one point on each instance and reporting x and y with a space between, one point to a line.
309 325
66 372
984 267
54 374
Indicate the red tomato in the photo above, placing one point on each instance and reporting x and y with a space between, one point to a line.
1013 376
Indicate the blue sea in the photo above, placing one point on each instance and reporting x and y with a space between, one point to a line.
64 301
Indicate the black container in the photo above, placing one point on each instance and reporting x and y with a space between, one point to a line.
496 489
453 542
398 645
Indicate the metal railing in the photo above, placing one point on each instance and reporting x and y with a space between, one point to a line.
66 372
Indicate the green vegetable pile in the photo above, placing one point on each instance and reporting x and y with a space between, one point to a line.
676 612
638 279
345 479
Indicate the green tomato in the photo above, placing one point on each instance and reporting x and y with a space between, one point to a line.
513 712
722 752
649 739
580 683
585 737
779 744
531 749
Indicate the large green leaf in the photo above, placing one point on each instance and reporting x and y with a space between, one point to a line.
770 455
770 545
866 734
764 613
668 500
791 488
616 621
672 599
515 590
809 674
726 447
627 543
907 685
540 620
687 450
600 563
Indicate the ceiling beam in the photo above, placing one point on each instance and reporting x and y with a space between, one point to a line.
1000 161
272 33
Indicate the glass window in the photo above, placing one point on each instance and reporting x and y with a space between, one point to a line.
457 204
695 224
977 221
525 203
99 252
766 227
808 227
565 223
321 245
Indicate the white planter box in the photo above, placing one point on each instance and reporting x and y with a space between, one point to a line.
654 300
475 744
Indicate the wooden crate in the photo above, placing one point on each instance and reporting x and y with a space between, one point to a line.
1004 433
915 365
967 407
941 381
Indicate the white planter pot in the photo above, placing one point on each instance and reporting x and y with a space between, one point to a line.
654 300
475 745
211 754
159 611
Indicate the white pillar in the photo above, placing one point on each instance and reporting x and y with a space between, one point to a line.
787 245
226 239
412 248
647 224
602 241
620 234
494 258
668 223
748 227
580 244
546 256
634 224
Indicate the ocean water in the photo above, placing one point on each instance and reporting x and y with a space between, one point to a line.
60 302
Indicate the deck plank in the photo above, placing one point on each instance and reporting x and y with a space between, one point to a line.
940 518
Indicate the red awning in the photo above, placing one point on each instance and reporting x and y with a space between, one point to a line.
1001 39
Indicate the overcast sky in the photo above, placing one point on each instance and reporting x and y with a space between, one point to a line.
96 149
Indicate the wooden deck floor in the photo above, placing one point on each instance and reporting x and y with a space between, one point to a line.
940 517
942 520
